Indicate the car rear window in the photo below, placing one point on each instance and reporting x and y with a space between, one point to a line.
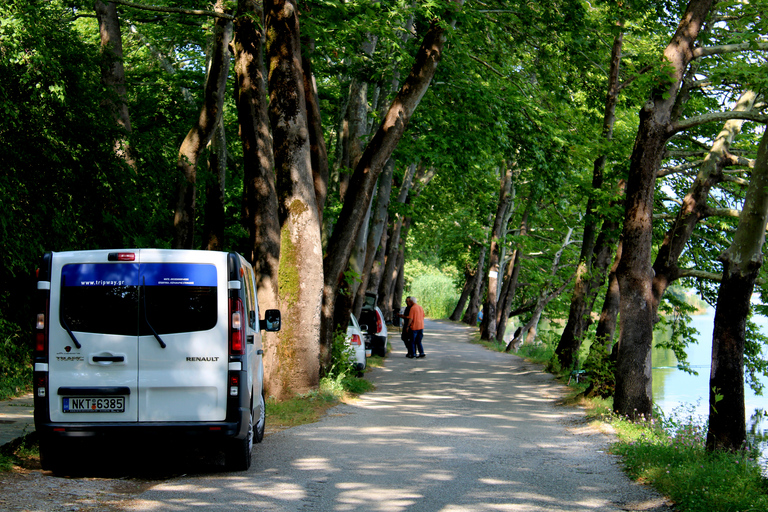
128 298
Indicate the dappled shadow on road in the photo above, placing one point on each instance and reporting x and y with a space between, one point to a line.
462 429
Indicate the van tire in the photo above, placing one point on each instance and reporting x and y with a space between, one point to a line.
258 432
238 453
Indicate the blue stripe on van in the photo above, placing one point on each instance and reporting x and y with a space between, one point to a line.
178 274
101 274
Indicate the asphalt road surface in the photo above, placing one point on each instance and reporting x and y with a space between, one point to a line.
464 429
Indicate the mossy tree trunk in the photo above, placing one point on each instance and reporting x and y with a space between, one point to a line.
300 273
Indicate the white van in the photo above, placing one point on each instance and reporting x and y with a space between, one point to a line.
149 342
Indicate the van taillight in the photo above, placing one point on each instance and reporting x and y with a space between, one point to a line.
41 334
236 315
355 339
41 384
234 384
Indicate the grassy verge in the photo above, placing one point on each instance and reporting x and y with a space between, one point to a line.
669 455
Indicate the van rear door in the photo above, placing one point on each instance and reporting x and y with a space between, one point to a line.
93 338
183 339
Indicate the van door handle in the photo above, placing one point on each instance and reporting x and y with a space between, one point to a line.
110 359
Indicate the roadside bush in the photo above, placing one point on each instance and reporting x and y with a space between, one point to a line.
434 290
15 361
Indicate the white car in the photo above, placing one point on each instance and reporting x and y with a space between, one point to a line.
374 326
355 341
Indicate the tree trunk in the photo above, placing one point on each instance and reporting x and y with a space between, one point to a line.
375 233
216 185
583 288
488 328
200 134
260 196
300 272
633 368
469 283
741 265
470 315
318 152
510 281
376 154
606 325
113 75
390 272
399 285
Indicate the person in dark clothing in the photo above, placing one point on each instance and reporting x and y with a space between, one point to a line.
407 335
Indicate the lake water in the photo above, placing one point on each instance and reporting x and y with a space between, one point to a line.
676 389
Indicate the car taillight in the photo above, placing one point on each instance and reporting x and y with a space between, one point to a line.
378 322
236 315
355 339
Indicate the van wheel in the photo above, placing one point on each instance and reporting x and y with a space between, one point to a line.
239 451
258 433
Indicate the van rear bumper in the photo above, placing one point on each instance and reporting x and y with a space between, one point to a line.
214 430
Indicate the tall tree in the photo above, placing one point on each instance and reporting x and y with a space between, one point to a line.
633 368
200 134
259 182
741 264
488 328
113 75
300 270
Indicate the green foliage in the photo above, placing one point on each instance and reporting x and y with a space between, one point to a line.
433 289
342 358
15 361
599 371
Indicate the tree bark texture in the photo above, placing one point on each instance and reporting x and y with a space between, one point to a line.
469 283
510 280
473 309
488 328
376 154
215 186
393 244
375 233
259 181
694 206
583 287
318 152
300 272
741 264
113 75
633 368
200 134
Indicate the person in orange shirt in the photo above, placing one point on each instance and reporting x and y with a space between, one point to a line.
416 324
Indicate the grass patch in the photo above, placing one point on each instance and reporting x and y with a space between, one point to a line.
310 407
669 454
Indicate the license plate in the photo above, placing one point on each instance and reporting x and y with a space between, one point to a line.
94 404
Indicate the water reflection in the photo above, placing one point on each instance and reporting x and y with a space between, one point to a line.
674 389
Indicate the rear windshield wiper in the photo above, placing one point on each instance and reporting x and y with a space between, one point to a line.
146 317
64 321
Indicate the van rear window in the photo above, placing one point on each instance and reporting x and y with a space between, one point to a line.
125 298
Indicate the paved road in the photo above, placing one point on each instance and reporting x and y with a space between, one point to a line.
463 429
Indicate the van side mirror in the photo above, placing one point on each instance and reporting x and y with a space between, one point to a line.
271 322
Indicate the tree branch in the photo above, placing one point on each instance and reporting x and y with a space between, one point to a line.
717 117
176 10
